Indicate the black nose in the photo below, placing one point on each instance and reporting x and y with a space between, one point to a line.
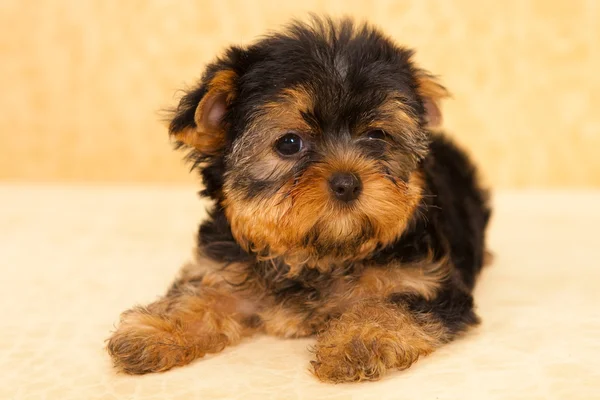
345 186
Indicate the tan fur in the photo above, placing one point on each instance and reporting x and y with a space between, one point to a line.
432 94
488 258
428 86
372 338
177 329
423 279
279 320
279 224
205 138
395 118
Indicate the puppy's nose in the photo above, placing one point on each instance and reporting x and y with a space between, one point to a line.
345 186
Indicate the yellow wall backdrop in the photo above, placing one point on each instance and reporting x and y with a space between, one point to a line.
82 81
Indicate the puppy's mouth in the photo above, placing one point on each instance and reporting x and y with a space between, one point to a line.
362 230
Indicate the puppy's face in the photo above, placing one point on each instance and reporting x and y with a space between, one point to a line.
310 140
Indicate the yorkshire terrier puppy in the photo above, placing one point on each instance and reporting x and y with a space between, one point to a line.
339 210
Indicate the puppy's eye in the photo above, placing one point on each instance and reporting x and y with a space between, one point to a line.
289 144
377 134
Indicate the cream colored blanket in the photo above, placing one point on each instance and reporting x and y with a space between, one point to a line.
73 258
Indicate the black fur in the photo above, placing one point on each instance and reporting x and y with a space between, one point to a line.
453 306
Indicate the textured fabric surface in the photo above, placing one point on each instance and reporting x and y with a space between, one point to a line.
73 258
82 81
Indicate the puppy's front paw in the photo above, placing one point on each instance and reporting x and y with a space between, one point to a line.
146 343
355 355
369 340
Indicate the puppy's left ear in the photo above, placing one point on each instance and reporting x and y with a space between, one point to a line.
432 93
198 120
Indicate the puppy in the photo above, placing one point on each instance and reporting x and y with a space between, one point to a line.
339 212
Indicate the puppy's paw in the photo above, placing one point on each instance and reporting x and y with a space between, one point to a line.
146 343
355 355
371 339
352 351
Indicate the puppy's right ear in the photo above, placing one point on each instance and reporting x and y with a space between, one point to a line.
198 120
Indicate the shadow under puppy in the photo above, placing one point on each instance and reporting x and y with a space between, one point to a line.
338 211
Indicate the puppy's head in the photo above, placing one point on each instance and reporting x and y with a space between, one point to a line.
310 140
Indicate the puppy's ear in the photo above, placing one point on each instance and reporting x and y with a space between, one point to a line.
198 120
432 94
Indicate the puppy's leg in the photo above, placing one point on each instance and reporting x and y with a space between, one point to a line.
195 318
379 335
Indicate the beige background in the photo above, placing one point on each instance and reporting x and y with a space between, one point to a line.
82 81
